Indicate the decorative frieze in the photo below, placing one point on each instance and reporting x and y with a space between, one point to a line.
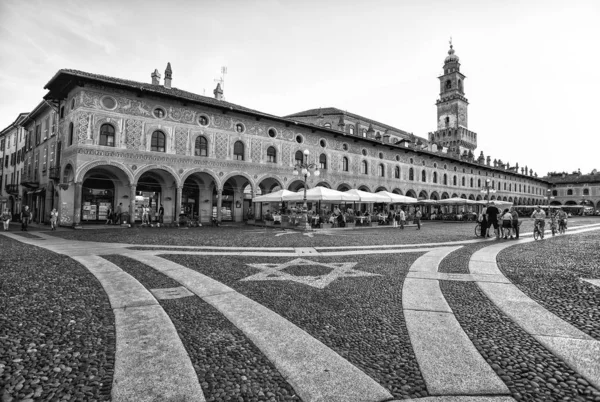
133 134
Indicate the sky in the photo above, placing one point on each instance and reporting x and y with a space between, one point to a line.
531 66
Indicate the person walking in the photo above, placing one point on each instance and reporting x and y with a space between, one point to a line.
118 212
109 216
418 216
484 222
492 218
5 217
161 213
515 222
402 218
53 218
506 224
25 217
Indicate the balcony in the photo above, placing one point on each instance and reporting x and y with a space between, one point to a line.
12 189
30 180
54 173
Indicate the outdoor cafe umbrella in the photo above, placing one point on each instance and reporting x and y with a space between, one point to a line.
457 201
365 196
397 198
277 196
321 194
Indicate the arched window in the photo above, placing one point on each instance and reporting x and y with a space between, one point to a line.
381 170
435 177
504 186
345 164
238 151
554 193
397 172
454 180
71 130
365 167
323 161
493 184
107 135
327 125
471 182
299 157
364 133
569 192
271 155
445 179
448 84
201 146
157 143
423 176
478 182
463 182
411 174
351 130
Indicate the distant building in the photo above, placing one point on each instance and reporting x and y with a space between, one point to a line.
98 141
12 150
571 189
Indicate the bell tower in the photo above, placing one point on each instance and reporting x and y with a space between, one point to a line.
452 117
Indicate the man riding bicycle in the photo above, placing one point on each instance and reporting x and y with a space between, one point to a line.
539 215
561 216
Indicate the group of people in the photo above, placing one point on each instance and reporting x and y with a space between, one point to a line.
506 223
25 217
115 217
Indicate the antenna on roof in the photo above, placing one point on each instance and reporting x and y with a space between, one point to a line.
221 79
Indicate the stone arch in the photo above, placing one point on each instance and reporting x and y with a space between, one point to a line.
423 195
363 187
139 172
324 183
82 171
434 195
510 199
296 185
463 196
396 190
555 203
343 187
570 202
411 193
454 195
471 197
445 195
380 188
239 173
478 198
209 172
68 167
276 181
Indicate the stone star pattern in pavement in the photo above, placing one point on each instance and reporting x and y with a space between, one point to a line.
274 272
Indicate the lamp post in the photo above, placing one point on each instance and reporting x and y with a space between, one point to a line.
305 168
487 190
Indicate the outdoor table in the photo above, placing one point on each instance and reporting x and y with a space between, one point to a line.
360 220
276 218
315 221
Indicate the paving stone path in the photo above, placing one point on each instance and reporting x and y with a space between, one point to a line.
151 362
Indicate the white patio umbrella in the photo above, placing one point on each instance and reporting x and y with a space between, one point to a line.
276 196
457 201
365 196
321 194
397 198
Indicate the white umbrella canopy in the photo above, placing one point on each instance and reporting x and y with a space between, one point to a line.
457 201
321 194
276 196
397 198
365 196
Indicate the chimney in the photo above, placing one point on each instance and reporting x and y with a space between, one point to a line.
218 92
155 77
168 73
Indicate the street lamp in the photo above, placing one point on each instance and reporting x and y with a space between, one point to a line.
305 168
487 190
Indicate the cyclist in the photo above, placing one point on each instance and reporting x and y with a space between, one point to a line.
539 215
561 216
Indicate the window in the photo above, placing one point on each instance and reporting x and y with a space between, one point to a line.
108 102
435 177
272 133
478 182
351 129
448 84
323 143
365 167
299 157
411 174
44 159
471 182
504 186
157 143
107 135
299 139
72 103
364 133
71 129
203 120
345 146
53 132
271 155
397 158
445 179
62 112
454 180
554 193
238 151
411 160
38 134
46 129
381 155
345 164
569 192
201 146
364 152
397 172
463 183
240 128
381 170
423 176
323 161
159 113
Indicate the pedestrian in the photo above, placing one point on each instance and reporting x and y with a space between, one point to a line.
515 222
484 222
506 224
109 216
5 217
53 218
492 218
402 218
118 212
418 216
25 217
395 219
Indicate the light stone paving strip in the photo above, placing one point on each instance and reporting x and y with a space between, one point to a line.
315 372
579 350
460 399
432 327
151 363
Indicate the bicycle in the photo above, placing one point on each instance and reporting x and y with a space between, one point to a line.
562 226
538 230
553 227
478 229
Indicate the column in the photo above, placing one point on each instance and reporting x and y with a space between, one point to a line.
178 197
219 203
132 188
77 203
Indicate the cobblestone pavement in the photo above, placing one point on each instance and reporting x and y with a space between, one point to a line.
245 314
